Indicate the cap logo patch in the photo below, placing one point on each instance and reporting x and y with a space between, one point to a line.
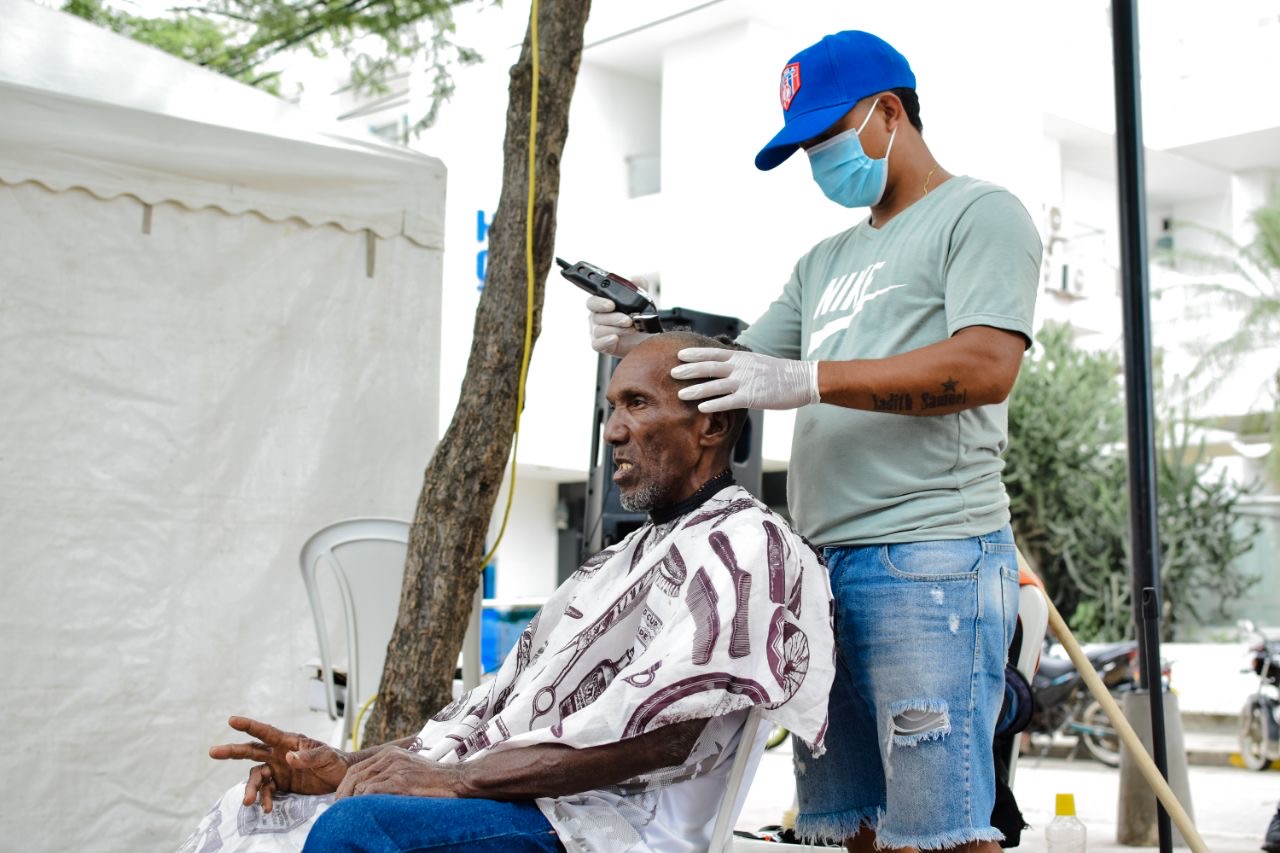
790 84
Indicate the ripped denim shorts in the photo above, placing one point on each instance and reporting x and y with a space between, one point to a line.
922 634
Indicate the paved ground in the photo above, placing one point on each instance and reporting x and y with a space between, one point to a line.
1231 806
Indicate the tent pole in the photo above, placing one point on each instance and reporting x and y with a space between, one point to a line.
1135 296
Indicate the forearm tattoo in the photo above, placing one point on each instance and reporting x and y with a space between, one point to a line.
904 401
950 396
893 403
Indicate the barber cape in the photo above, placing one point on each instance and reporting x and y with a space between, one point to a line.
701 617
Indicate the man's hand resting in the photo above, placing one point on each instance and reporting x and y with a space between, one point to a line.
291 763
398 771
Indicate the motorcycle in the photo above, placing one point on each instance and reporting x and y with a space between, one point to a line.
1260 716
1064 705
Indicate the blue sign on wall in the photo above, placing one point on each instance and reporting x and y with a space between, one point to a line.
482 256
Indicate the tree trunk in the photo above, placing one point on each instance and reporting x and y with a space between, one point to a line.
447 540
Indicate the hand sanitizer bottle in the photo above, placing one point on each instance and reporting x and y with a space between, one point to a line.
1065 833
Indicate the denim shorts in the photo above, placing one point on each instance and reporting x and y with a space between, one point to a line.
922 634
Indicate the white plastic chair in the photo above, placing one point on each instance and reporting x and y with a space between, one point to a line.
366 557
741 772
1033 613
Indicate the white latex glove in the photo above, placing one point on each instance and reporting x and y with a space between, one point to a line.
611 331
746 380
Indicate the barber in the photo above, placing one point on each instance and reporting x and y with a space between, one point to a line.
898 340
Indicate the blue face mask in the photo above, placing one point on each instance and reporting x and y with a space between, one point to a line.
845 173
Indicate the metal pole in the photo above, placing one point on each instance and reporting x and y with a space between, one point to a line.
1150 650
1135 297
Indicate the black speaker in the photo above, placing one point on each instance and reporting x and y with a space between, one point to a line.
604 520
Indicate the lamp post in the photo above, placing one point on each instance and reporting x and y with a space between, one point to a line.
1144 554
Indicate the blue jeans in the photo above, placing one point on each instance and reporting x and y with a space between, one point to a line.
922 635
382 823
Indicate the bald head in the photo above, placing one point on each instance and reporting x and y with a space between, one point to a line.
667 346
664 447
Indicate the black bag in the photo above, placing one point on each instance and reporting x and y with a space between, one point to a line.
1015 715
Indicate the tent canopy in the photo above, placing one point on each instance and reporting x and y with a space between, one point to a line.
84 107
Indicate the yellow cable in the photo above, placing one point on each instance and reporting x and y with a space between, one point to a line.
528 260
528 317
355 727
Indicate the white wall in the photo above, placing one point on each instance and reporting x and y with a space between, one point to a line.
526 558
1202 64
1249 190
614 117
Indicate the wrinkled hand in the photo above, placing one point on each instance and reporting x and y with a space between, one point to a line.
611 331
291 763
398 771
746 380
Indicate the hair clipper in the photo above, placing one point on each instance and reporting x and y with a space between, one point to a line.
626 297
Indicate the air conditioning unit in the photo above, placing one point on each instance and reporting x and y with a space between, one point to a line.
1096 281
1077 280
1067 279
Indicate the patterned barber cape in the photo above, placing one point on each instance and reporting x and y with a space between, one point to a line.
701 617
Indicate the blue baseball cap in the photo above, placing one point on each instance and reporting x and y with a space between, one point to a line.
822 83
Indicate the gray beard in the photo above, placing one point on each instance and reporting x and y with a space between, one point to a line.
642 498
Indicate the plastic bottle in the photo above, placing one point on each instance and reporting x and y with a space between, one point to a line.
1065 833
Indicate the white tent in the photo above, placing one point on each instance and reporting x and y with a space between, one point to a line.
219 331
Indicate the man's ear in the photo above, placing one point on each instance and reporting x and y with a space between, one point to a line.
715 429
894 113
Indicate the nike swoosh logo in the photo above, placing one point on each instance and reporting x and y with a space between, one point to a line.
819 337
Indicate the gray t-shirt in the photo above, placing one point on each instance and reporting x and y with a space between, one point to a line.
967 254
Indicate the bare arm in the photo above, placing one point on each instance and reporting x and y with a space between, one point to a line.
976 366
370 751
552 770
291 762
546 770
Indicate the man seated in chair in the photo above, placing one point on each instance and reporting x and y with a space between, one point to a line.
612 724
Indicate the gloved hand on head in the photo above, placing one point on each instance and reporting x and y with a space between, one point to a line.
746 380
612 332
